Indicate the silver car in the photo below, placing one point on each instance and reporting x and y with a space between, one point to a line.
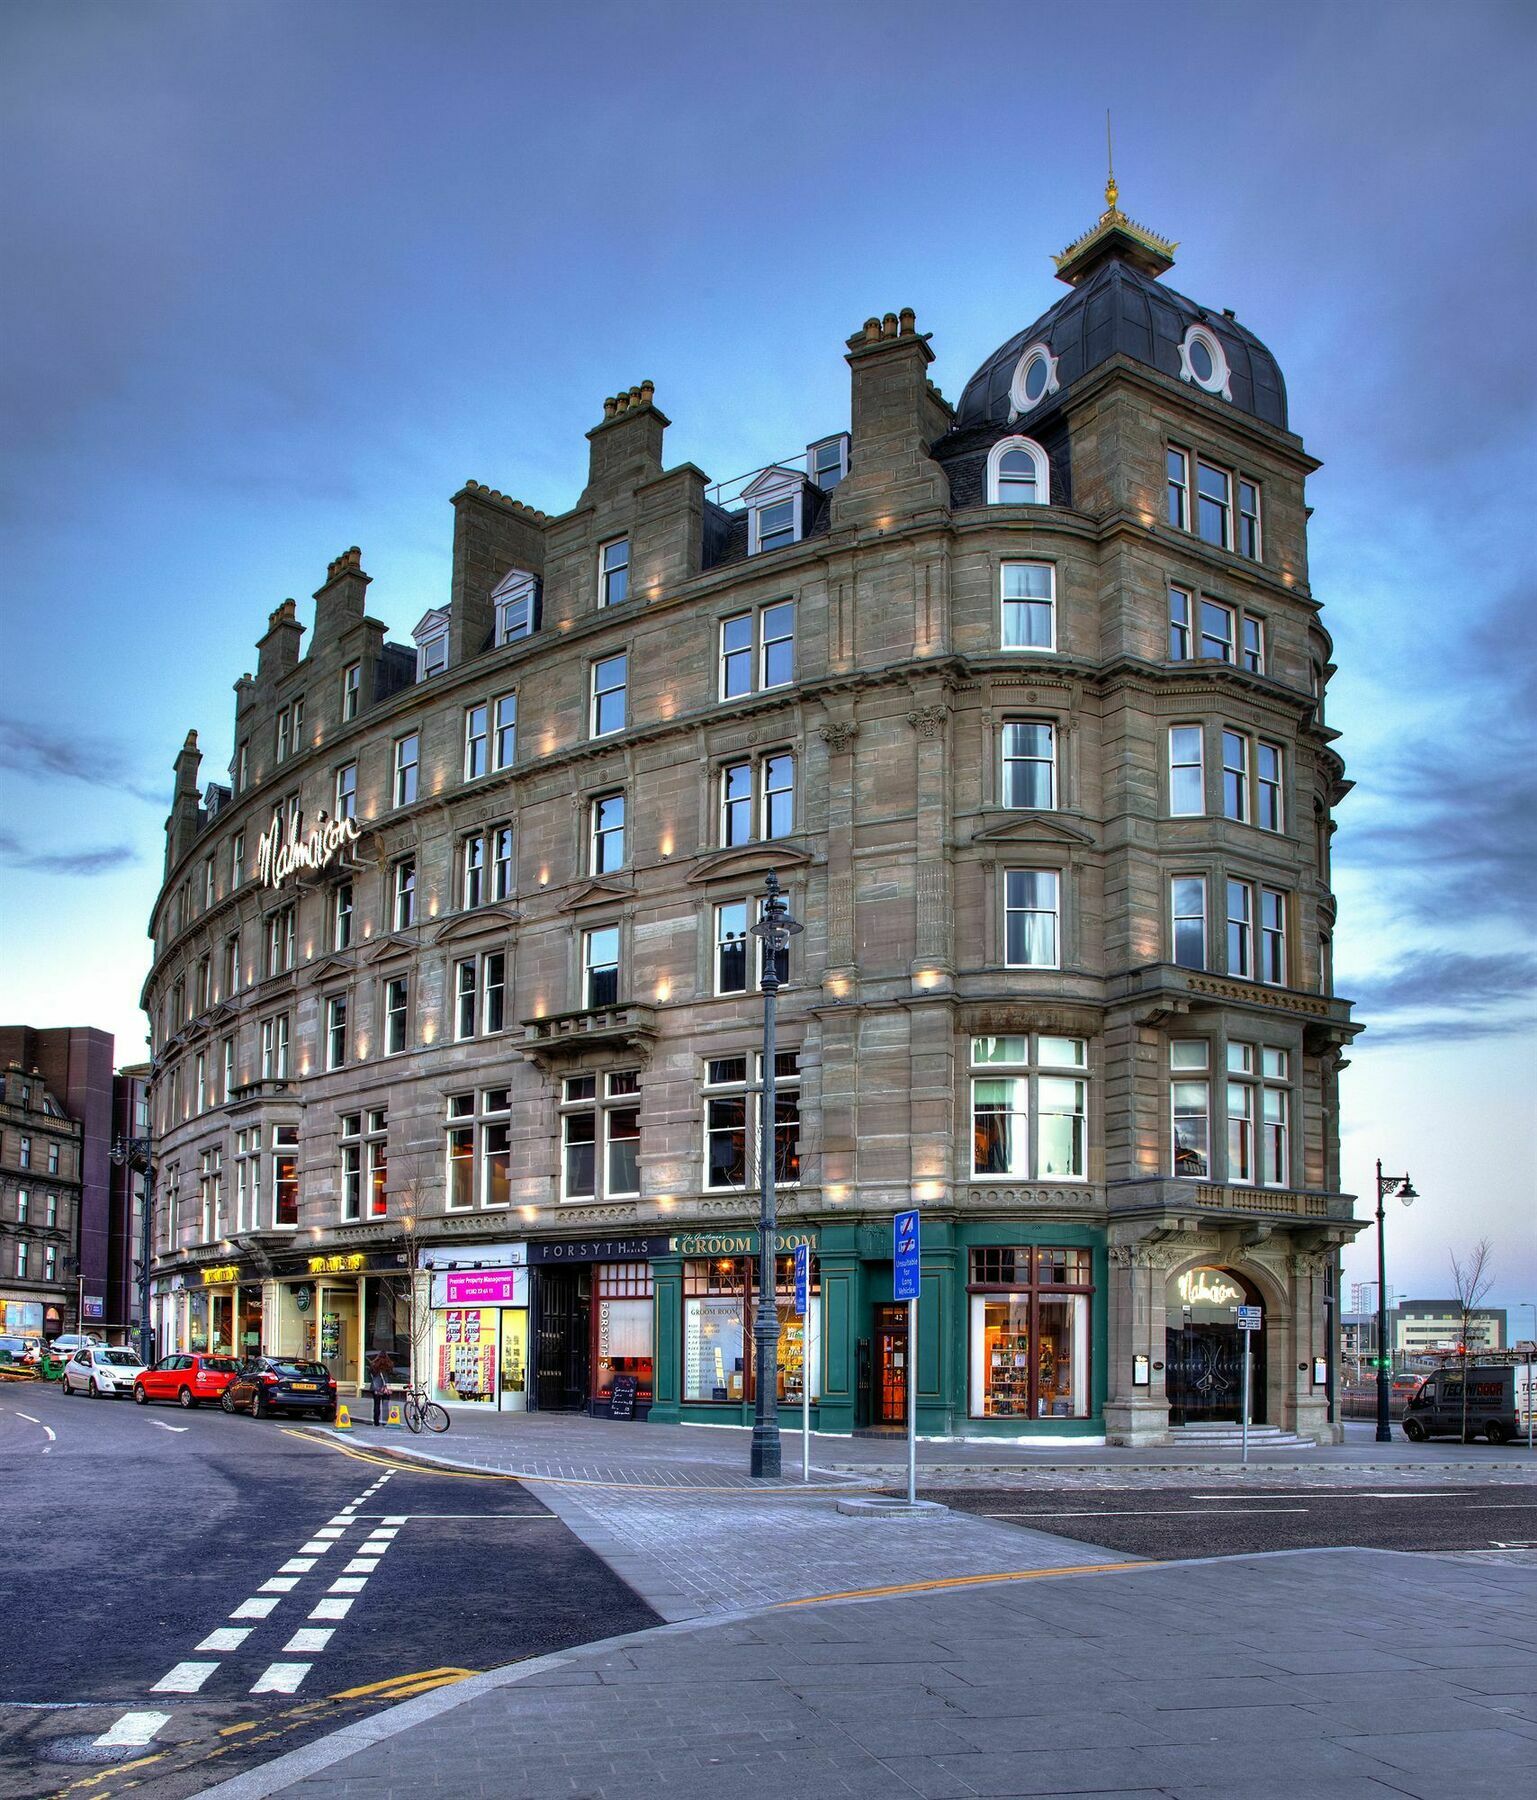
102 1370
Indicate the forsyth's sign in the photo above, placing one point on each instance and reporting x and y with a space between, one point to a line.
279 854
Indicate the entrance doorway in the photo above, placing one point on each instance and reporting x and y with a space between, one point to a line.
1204 1348
564 1341
891 1365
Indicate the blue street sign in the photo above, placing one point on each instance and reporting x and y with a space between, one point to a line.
1250 1318
802 1277
905 1256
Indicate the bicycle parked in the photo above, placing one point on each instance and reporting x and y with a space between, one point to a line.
421 1414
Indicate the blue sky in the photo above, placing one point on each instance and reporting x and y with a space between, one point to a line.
281 275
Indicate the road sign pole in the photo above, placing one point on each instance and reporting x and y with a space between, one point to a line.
912 1401
803 1307
1247 1338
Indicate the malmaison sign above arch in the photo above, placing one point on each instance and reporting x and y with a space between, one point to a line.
281 853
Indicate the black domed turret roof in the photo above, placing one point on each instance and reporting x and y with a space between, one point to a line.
1119 309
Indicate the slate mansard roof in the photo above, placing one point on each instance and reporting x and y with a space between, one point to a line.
1117 309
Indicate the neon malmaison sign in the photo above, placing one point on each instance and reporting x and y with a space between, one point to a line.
280 854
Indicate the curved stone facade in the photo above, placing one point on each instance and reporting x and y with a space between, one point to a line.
515 1013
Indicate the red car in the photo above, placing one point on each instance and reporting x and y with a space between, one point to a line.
186 1379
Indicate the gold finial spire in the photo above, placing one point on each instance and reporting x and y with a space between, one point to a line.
1115 235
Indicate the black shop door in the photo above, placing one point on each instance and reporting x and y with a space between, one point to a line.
1205 1375
565 1310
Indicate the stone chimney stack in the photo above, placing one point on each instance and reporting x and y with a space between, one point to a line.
339 600
278 651
182 826
895 415
627 446
493 535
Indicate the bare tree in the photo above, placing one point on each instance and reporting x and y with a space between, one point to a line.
1472 1278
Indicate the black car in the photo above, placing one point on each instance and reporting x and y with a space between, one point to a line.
272 1384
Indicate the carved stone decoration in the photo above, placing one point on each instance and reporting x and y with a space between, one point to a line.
1047 1199
599 1215
928 721
838 734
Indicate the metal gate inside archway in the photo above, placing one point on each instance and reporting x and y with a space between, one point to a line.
1203 1350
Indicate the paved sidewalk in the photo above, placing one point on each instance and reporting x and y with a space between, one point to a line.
569 1446
1318 1675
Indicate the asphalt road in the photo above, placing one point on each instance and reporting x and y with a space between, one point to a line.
207 1591
1217 1519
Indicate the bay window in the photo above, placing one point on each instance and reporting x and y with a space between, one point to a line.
1188 909
1187 771
285 1175
1029 764
1032 907
1025 1080
1029 606
1190 1107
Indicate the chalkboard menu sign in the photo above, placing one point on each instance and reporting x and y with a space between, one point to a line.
621 1400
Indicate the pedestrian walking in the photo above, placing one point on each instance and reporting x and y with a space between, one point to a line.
380 1369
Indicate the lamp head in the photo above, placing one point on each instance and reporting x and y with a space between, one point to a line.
1408 1193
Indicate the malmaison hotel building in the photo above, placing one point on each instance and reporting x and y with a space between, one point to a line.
1021 699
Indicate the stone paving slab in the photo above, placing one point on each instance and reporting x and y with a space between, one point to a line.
572 1447
1061 1685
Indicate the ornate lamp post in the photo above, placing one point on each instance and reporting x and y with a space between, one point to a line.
1404 1188
773 931
137 1154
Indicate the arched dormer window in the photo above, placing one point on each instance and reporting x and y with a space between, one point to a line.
1018 473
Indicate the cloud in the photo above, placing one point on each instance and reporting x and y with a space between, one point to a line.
1449 995
38 751
14 854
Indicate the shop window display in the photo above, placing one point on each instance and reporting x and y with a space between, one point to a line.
1030 1332
718 1311
622 1335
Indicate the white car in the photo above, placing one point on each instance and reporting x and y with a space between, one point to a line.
102 1370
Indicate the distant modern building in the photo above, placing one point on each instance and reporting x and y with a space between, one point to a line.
1022 702
1419 1327
55 1213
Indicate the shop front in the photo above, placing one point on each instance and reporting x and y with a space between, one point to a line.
1011 1330
593 1323
478 1346
218 1311
339 1309
707 1294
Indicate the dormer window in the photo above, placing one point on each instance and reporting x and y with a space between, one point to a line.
1202 360
775 510
431 638
516 598
827 462
1018 473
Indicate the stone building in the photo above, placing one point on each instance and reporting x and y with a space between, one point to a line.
55 1133
1022 702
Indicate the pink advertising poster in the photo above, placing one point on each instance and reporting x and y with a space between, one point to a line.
481 1287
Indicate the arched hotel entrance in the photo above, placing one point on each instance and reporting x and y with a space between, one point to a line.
1204 1349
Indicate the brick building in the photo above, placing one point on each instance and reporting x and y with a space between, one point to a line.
1021 701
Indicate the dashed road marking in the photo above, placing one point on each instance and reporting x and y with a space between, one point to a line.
227 1637
185 1678
280 1678
164 1427
361 1565
348 1584
316 1546
132 1732
1140 1512
329 1533
254 1609
308 1638
331 1609
297 1565
279 1584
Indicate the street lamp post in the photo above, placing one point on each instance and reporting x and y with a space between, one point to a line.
773 931
1404 1188
137 1154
